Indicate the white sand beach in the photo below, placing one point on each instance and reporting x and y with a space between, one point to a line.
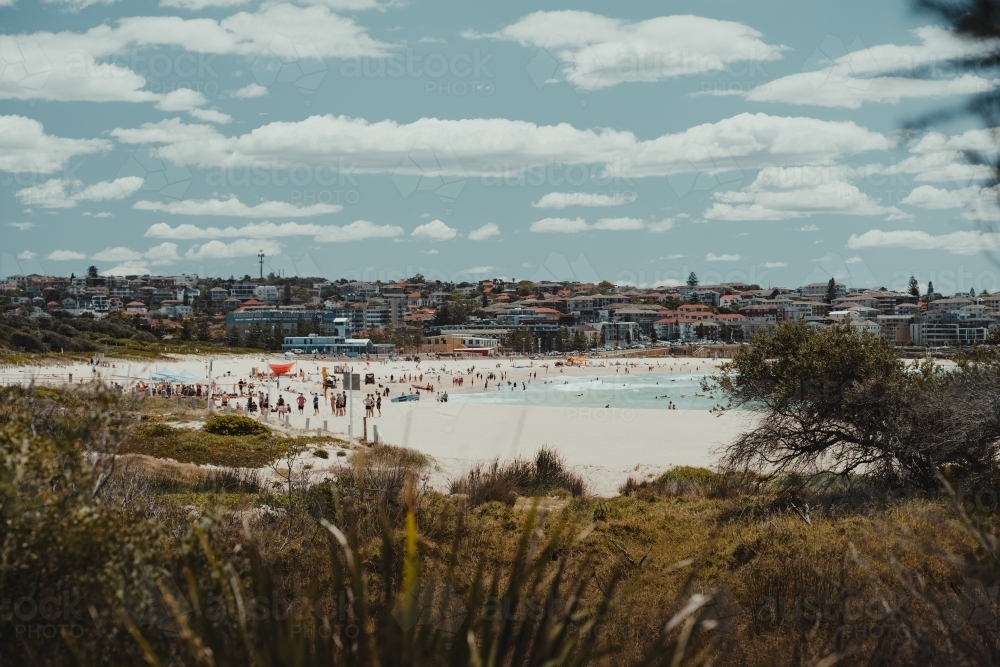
605 445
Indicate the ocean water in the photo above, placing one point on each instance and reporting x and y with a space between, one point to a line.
636 390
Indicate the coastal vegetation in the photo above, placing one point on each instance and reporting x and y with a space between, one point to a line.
833 533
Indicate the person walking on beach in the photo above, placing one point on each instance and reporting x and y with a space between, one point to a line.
315 404
378 404
301 400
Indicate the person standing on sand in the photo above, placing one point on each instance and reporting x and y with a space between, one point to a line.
301 401
378 404
315 404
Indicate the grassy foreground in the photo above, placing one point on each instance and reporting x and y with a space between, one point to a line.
110 559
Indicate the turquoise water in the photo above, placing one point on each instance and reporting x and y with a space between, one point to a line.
635 390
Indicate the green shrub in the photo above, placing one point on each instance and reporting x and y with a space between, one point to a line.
688 474
235 425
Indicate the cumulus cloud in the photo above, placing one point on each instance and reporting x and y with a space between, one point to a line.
251 91
65 255
435 230
955 243
238 248
61 193
561 200
358 230
851 76
198 5
23 226
131 268
24 146
774 265
574 225
560 225
979 203
484 233
600 52
712 257
620 224
233 207
26 255
887 73
161 255
782 193
189 100
77 5
745 141
937 158
81 66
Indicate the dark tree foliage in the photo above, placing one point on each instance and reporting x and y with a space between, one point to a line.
840 400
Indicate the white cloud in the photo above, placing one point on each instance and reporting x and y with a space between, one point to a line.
853 260
65 255
72 66
782 193
484 233
561 200
77 5
211 116
127 269
358 230
189 100
348 5
163 254
476 270
599 52
745 141
979 203
712 257
435 230
676 256
661 226
233 207
574 225
939 158
774 265
116 254
182 99
808 228
53 192
239 248
560 225
251 91
432 251
620 224
886 73
23 226
26 255
101 214
198 5
955 243
24 146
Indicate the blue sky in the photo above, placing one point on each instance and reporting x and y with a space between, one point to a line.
634 142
